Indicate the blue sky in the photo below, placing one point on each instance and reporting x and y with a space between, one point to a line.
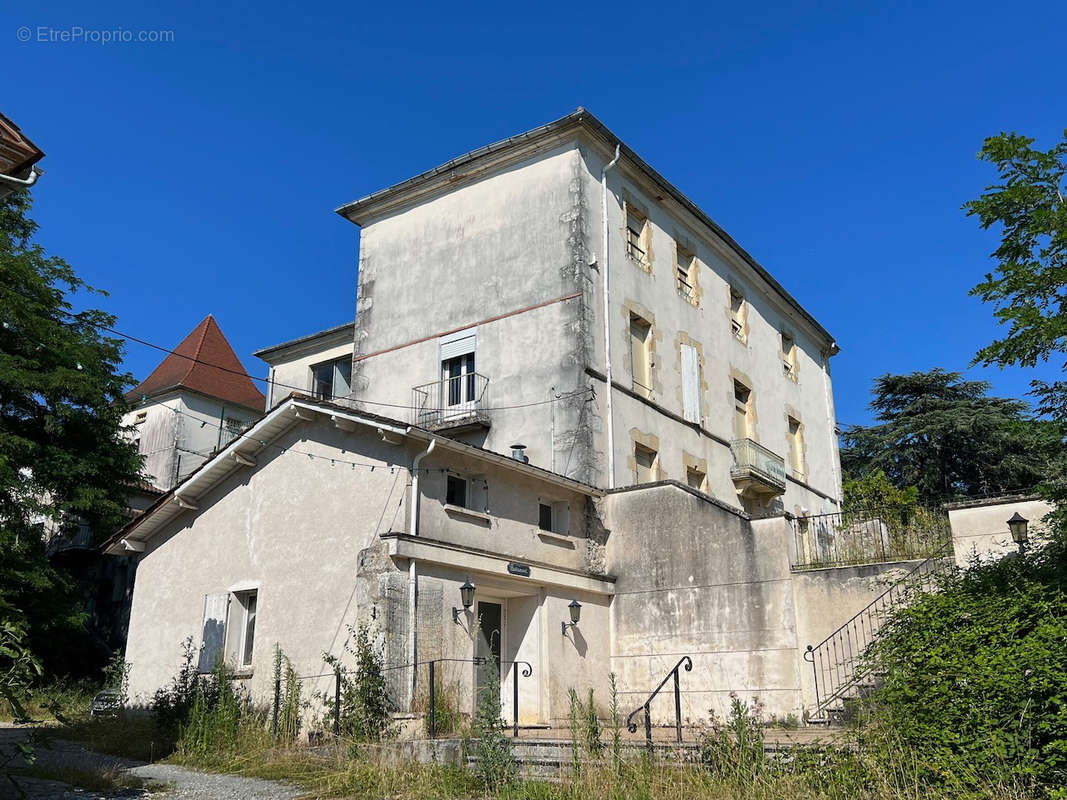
835 141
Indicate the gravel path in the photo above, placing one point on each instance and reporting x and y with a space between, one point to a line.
180 783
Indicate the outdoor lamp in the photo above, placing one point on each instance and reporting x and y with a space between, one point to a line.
466 594
1017 525
576 614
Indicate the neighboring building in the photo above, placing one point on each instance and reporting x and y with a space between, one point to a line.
18 156
193 403
485 289
324 516
980 527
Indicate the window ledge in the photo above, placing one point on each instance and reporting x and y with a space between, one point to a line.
460 511
241 673
555 538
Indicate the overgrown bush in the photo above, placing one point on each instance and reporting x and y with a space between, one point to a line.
496 767
171 705
365 704
448 718
288 698
214 718
734 750
976 673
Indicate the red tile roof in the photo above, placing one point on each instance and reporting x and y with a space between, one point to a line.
195 365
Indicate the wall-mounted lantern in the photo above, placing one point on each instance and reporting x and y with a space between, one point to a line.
466 595
1018 525
576 614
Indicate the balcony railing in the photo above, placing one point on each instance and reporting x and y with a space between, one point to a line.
869 536
757 466
452 402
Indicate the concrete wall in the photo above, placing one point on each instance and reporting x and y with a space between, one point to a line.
980 528
697 579
496 247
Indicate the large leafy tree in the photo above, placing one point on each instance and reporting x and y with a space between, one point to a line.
1029 285
948 438
63 458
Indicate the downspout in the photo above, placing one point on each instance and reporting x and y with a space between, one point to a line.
413 529
22 183
607 311
835 457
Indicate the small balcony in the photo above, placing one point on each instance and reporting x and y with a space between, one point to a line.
756 472
456 404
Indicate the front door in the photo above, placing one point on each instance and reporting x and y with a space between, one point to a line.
488 646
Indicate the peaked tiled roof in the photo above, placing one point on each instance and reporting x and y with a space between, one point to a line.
195 364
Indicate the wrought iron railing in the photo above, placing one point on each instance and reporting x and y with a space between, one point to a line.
451 401
869 536
750 456
631 726
837 662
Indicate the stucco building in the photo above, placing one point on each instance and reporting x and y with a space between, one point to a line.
565 383
502 292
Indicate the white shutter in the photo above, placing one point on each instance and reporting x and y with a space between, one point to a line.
460 343
561 518
690 383
213 639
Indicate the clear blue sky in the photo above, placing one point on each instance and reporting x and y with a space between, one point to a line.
836 142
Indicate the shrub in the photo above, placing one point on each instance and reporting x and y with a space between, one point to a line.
977 673
288 698
447 716
496 767
365 703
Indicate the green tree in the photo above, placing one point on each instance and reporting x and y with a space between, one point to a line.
63 459
1028 288
948 438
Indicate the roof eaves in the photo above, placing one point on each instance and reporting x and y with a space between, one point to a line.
311 337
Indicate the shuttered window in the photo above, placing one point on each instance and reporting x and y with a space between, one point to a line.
213 638
458 344
690 383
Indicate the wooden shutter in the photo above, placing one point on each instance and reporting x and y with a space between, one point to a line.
690 383
213 639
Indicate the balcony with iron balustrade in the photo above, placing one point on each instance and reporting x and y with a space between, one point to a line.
756 472
457 404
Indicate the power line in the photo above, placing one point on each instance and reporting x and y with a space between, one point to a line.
301 389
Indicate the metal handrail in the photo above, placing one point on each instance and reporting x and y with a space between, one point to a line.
866 536
631 726
430 400
839 656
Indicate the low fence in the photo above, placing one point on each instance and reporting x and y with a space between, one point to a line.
295 696
869 536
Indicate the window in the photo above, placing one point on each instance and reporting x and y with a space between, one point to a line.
467 491
140 418
738 315
789 356
695 478
458 382
640 357
645 460
684 269
246 609
544 520
742 408
690 383
456 491
553 517
332 379
636 235
795 437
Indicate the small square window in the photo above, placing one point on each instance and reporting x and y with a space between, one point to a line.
456 491
695 478
140 418
636 227
645 460
544 517
789 356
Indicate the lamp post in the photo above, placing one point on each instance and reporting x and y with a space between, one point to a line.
1017 525
466 595
575 609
